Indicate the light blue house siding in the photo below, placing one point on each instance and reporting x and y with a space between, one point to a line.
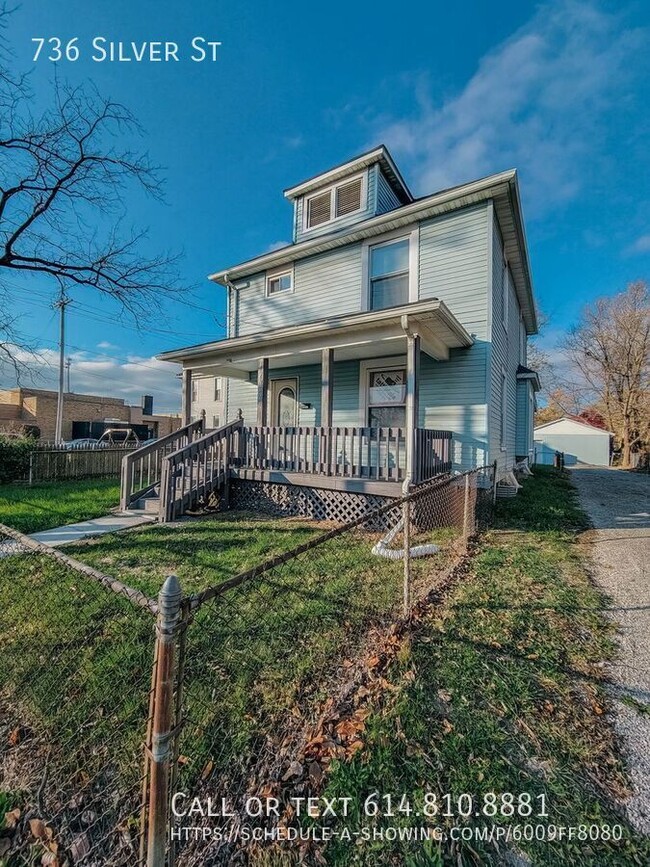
505 357
386 196
453 266
324 285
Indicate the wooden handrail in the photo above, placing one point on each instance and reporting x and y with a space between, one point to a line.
141 467
197 469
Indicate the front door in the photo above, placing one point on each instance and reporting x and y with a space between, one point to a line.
284 402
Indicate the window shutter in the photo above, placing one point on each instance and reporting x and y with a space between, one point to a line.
319 209
348 198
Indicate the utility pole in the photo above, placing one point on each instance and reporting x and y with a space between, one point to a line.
62 303
68 365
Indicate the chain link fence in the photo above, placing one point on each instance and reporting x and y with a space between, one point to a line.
267 662
76 651
246 695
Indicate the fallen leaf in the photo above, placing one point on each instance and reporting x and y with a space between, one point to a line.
354 748
444 695
11 818
315 773
15 736
37 829
79 847
295 769
207 770
447 727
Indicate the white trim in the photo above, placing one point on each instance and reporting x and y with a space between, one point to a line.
363 201
413 237
274 275
505 290
367 366
367 160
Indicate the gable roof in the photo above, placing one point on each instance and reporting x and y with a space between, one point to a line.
502 189
380 155
579 421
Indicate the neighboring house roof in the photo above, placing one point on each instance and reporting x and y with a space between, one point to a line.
526 373
355 334
379 155
572 420
502 189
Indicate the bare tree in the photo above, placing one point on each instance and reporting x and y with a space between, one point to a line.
611 349
65 184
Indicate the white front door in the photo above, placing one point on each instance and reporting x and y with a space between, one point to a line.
284 402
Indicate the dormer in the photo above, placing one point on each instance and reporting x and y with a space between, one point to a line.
361 188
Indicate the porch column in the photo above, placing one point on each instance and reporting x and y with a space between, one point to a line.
412 390
262 391
186 390
327 365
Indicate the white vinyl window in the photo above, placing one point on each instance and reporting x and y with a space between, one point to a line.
337 201
389 274
217 389
216 421
278 283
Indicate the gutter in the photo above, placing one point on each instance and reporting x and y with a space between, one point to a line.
375 225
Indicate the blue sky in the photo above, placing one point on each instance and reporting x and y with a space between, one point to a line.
559 90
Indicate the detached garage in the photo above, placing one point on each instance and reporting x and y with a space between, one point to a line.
580 441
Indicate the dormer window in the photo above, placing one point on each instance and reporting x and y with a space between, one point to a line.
337 201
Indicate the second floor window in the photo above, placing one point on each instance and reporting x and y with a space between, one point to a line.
217 390
389 274
278 283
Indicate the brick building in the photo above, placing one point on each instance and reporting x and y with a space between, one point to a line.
25 408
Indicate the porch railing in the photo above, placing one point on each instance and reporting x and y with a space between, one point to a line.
194 471
432 453
141 468
349 452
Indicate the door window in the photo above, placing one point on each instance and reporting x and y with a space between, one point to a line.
387 398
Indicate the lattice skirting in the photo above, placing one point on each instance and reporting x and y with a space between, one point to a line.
298 501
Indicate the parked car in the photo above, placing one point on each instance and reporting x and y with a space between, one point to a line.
119 436
83 443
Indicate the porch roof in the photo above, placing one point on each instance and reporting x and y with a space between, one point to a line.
369 334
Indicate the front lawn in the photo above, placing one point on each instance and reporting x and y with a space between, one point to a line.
31 509
502 691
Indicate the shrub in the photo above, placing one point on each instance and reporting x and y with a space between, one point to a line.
14 457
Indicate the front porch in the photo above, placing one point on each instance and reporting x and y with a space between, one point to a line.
356 459
330 405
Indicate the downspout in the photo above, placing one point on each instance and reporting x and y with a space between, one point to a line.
410 390
231 288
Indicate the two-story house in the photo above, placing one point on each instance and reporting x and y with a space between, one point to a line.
385 344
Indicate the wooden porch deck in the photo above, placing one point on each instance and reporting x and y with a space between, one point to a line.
185 468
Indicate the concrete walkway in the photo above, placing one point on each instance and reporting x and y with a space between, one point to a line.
95 527
618 504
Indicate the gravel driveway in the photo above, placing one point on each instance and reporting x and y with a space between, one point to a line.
618 504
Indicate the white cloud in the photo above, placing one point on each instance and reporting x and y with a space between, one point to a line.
129 378
104 344
536 102
276 245
641 245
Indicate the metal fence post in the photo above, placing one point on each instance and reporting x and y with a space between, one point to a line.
31 468
494 483
466 510
162 730
406 518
